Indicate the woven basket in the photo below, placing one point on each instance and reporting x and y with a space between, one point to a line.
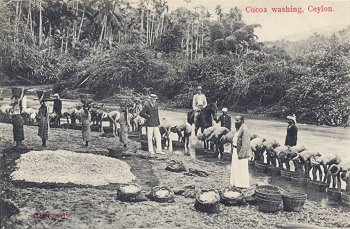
295 195
317 186
130 197
288 174
268 197
268 206
232 201
116 152
333 194
293 201
175 166
268 189
251 200
213 207
299 180
273 171
167 199
260 167
134 135
268 192
345 197
121 190
108 129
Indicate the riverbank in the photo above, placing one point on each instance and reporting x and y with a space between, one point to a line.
71 95
97 207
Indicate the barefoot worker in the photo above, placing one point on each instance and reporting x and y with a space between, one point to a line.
85 121
150 113
43 121
123 135
17 120
57 108
292 131
240 156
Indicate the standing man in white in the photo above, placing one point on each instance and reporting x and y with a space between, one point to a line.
199 101
150 113
240 155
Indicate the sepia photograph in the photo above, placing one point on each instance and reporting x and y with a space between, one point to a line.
174 114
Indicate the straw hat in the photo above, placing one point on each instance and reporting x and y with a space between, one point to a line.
224 109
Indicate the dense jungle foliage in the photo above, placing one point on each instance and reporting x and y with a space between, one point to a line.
108 46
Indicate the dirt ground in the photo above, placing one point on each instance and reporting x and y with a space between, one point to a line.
98 207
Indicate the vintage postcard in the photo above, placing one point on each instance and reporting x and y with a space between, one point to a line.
174 114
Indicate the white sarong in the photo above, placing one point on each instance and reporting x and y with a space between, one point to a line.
239 171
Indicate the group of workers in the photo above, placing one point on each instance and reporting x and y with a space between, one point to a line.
150 112
18 103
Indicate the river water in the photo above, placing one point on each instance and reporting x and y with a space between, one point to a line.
318 138
323 139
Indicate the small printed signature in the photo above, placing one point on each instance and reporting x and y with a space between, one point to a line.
51 216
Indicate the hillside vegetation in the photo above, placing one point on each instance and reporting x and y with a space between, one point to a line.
109 46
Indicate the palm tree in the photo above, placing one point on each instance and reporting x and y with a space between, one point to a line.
40 22
161 7
108 18
219 12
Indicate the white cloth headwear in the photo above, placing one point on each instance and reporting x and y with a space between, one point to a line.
294 118
153 96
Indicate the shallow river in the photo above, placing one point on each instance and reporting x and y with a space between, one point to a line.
318 138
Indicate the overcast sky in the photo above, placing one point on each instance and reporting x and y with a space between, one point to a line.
290 26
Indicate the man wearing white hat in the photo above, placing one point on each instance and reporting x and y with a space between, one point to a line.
199 101
150 113
292 131
225 119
